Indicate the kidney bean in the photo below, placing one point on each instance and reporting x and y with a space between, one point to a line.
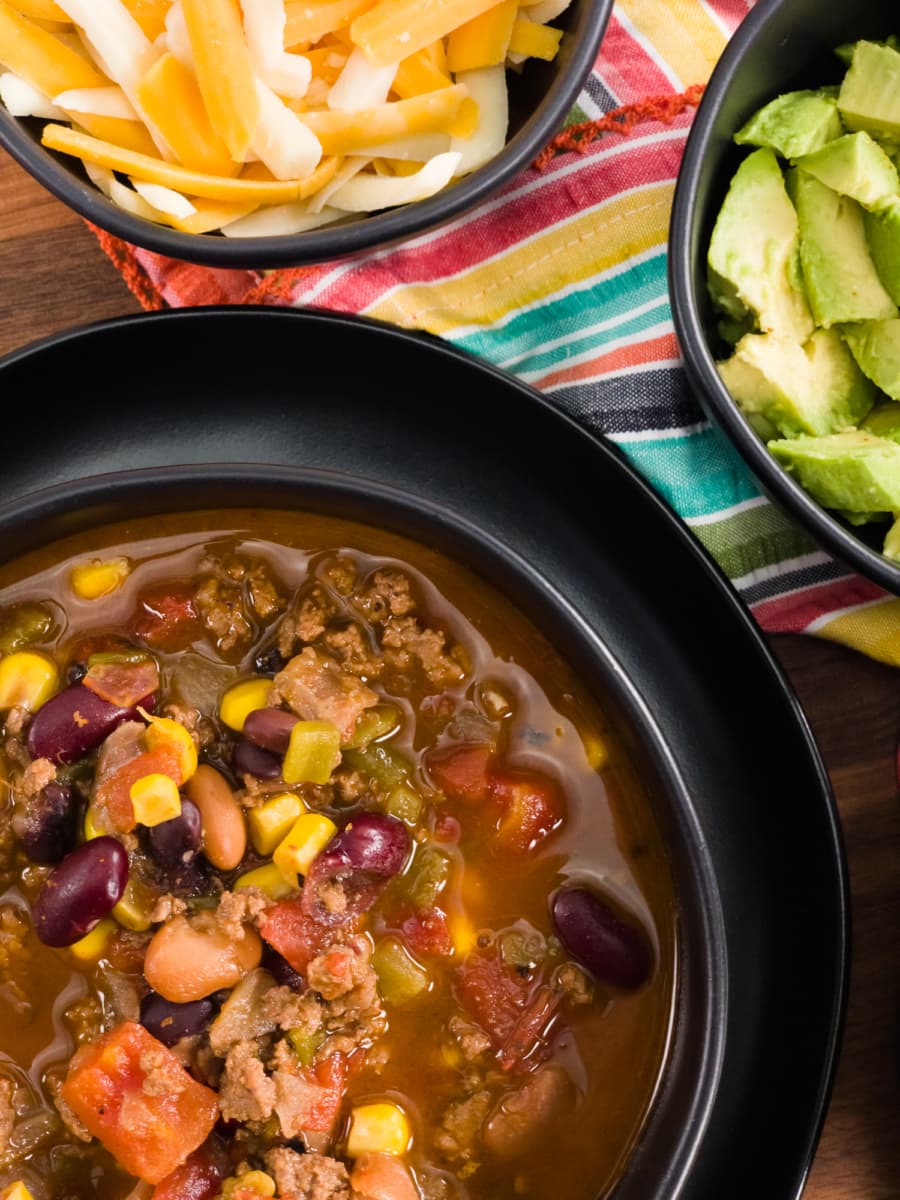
250 759
189 961
75 721
224 828
270 728
175 843
48 827
372 842
80 891
171 1022
612 950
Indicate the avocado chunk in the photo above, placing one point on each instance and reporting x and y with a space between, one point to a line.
869 98
754 257
883 236
838 272
793 124
814 389
884 421
854 471
876 347
856 166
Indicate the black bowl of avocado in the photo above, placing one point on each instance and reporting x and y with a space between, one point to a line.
784 267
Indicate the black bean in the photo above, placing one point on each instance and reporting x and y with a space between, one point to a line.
269 662
82 890
175 843
48 826
250 759
171 1022
280 969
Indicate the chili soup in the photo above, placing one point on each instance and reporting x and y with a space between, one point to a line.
324 877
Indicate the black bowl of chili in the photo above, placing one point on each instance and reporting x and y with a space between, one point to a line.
758 925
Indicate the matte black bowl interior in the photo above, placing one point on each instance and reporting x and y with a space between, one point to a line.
781 45
539 99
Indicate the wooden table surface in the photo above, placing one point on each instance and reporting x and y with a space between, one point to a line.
53 276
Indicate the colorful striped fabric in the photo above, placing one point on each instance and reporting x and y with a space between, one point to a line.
561 280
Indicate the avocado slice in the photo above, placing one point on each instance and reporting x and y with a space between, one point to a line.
883 235
753 261
856 166
838 272
794 124
869 98
876 347
884 421
854 471
814 389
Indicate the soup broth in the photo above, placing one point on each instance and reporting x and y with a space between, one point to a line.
384 903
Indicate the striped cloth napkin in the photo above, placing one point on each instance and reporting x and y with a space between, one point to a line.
561 280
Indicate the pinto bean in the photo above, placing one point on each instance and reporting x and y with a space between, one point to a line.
189 960
224 828
521 1114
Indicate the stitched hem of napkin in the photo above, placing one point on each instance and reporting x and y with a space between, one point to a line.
276 287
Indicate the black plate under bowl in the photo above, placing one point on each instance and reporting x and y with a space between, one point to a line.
781 45
278 407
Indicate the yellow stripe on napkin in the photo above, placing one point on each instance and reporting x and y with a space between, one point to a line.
592 242
874 629
683 35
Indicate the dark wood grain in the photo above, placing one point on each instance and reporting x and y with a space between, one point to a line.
53 276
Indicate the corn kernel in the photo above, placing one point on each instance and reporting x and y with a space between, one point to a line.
313 752
377 1129
16 1191
242 699
94 579
463 934
257 1182
93 945
91 828
268 879
27 679
164 731
272 821
309 834
596 748
134 907
155 799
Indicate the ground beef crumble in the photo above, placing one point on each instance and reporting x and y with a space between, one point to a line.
308 1176
237 909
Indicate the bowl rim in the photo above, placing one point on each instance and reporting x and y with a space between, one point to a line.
771 477
372 233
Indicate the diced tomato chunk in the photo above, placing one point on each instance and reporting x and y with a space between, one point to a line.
427 932
167 620
113 795
198 1178
493 995
462 772
123 684
289 929
132 1093
531 805
329 1076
